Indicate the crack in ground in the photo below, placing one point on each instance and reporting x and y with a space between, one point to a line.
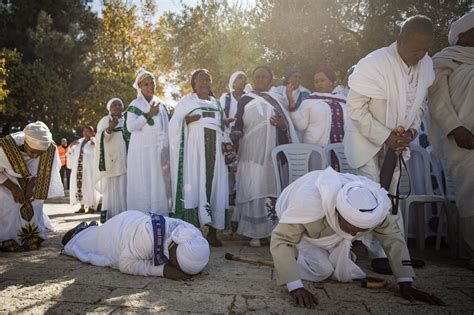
366 307
232 305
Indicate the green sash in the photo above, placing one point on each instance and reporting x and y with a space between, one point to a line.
180 211
102 146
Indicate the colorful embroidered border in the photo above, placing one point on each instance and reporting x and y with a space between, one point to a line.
14 156
159 237
45 168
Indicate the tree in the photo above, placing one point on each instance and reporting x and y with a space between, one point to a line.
53 39
126 42
307 33
213 35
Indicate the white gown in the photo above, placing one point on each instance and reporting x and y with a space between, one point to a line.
10 218
194 163
148 181
113 181
124 242
90 196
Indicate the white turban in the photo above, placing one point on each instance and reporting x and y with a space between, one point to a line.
232 79
459 26
141 73
192 251
109 103
38 136
363 205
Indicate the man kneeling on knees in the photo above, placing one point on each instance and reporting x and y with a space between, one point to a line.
321 214
143 244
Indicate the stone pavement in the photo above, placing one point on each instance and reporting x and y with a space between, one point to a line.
46 281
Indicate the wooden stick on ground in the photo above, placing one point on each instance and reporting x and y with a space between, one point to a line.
248 260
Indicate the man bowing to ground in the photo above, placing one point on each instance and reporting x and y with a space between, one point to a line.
321 214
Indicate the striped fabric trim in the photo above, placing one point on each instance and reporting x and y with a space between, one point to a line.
45 168
12 151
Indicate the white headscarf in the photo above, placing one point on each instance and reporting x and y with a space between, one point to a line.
38 136
109 103
141 73
232 79
465 23
363 205
192 251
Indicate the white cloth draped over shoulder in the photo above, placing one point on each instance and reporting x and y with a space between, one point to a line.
10 217
90 196
313 118
112 182
381 75
194 160
255 177
148 178
320 190
126 243
451 106
255 174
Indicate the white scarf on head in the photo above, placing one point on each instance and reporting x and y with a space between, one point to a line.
380 75
320 189
38 136
463 24
232 79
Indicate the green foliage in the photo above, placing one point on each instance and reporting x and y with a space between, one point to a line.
60 63
126 41
214 36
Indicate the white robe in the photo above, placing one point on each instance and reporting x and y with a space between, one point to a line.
148 179
451 106
255 175
112 182
194 167
328 256
90 196
124 242
10 218
313 118
232 107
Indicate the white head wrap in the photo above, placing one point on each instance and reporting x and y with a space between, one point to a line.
465 23
192 251
232 79
109 103
38 136
362 204
141 73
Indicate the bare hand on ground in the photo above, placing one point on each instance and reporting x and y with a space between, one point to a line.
411 294
304 298
173 273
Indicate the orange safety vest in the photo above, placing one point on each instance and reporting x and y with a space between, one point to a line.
62 154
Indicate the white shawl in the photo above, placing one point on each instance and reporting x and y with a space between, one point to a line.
380 75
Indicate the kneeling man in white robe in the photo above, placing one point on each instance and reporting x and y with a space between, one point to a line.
321 214
143 244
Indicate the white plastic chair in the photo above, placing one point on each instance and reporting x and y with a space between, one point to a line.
338 149
299 157
450 218
418 200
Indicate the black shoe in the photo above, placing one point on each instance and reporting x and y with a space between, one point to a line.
67 237
382 266
93 223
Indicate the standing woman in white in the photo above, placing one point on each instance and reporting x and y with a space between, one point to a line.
81 161
148 180
111 159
